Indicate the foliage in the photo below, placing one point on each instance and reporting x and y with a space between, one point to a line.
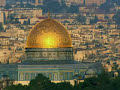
41 82
103 81
115 67
92 56
11 17
73 9
107 5
64 86
4 18
94 21
1 27
81 19
7 6
116 18
53 5
100 27
26 22
106 18
56 7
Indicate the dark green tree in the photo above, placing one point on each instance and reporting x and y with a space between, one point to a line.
28 21
64 6
64 86
94 21
41 83
102 82
73 9
17 87
107 5
4 15
17 21
1 27
11 18
92 56
7 6
25 23
106 18
116 18
81 19
100 27
52 5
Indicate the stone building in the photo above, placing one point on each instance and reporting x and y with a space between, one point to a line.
2 2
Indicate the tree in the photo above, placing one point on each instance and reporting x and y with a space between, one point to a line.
17 87
115 67
92 56
11 18
53 5
100 27
1 27
94 21
25 23
116 18
7 6
81 19
107 5
64 6
4 15
64 86
102 82
28 21
41 83
106 18
17 21
73 9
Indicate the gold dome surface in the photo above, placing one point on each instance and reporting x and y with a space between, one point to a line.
49 34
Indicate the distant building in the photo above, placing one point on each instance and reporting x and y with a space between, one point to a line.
86 2
2 2
26 12
1 17
36 2
97 2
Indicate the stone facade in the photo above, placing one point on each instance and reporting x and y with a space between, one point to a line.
49 54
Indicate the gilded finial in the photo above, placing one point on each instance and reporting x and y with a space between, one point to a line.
48 13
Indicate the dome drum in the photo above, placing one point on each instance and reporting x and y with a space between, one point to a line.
40 54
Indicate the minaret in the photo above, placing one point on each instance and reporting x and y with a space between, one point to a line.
36 2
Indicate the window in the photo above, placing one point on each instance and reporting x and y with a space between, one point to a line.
66 75
21 76
26 76
61 76
32 75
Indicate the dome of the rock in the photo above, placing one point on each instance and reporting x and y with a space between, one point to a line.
48 34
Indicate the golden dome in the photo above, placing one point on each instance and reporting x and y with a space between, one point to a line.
48 34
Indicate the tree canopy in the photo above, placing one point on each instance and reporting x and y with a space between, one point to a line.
104 81
81 19
53 5
116 17
94 21
1 27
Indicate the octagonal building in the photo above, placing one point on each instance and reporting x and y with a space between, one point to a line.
48 51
